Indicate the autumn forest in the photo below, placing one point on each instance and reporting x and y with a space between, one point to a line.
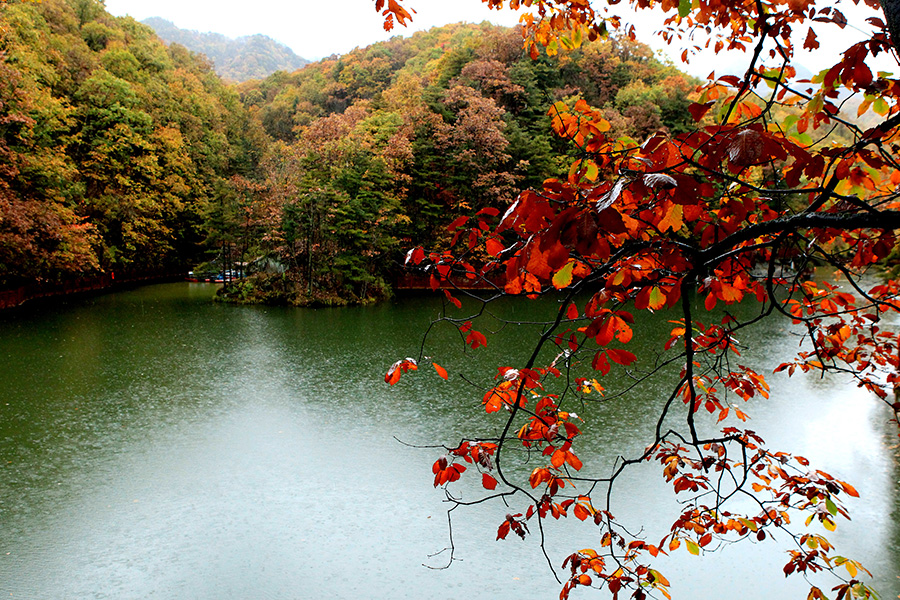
663 227
119 153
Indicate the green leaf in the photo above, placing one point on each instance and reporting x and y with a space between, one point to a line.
789 122
830 505
805 139
692 547
751 525
684 7
552 48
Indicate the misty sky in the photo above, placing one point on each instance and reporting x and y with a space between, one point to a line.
314 29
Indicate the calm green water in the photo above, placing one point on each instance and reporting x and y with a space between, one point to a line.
156 445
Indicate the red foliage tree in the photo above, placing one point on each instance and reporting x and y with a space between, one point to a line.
737 210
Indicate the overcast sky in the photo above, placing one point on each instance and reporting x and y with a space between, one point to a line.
314 29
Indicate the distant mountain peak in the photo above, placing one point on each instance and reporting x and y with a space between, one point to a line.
241 59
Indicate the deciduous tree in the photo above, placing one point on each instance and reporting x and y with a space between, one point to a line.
737 209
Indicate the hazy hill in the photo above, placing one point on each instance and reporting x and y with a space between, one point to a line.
241 59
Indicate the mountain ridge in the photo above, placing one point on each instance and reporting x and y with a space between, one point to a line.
237 59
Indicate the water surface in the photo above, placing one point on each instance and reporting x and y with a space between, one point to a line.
154 444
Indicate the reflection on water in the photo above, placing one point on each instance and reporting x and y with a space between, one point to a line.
156 445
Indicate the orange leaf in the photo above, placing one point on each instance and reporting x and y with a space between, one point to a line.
849 489
441 371
558 458
399 367
581 513
673 219
573 461
392 376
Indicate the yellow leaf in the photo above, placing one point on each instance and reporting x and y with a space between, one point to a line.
692 547
657 299
563 277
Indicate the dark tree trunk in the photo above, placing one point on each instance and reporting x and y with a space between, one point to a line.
891 10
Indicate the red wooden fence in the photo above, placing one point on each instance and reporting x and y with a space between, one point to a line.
418 282
18 296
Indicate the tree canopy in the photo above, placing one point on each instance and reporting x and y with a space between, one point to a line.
377 150
127 154
113 146
777 195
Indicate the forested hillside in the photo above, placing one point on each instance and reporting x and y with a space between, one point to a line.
118 152
113 147
241 59
378 150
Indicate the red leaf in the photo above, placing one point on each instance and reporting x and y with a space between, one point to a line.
490 211
415 256
452 300
600 363
581 513
698 110
488 482
623 357
494 247
811 43
457 223
607 331
503 530
476 339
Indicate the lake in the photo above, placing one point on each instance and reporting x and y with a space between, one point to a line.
155 444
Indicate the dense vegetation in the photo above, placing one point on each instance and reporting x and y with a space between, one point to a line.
113 148
121 153
241 59
378 150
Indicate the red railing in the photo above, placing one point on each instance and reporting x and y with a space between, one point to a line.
18 296
419 282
